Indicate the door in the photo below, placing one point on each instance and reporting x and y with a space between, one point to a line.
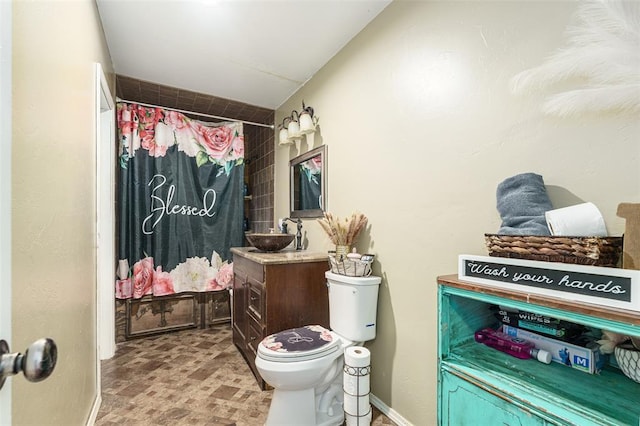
5 195
52 229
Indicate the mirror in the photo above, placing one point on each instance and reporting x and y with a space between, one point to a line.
308 183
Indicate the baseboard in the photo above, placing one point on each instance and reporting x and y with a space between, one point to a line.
93 415
388 411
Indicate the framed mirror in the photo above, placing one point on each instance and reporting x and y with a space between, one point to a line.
308 177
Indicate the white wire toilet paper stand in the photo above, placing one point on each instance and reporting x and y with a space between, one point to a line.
358 372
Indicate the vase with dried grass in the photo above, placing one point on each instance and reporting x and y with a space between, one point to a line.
343 233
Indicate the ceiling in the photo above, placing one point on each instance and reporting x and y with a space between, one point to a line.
257 52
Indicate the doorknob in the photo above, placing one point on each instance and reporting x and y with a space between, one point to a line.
36 364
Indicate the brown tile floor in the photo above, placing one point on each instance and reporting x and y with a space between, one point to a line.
191 377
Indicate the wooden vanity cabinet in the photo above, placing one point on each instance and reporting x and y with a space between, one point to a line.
274 292
480 385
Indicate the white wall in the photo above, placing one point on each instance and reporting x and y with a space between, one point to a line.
420 128
55 46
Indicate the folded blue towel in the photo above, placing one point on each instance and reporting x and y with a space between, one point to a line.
522 202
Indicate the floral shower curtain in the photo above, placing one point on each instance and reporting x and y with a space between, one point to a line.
180 202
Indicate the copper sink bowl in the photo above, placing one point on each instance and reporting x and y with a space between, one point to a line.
270 242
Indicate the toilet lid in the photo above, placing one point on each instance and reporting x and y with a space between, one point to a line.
299 344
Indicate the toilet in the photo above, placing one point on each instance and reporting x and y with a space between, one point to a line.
305 365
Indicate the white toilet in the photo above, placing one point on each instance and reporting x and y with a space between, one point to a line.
304 365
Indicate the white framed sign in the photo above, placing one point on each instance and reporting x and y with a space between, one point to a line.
612 287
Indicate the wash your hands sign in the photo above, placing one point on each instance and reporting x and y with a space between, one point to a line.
592 284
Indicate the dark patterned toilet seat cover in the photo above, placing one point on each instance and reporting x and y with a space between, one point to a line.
301 339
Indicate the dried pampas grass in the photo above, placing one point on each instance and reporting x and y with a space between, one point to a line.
343 232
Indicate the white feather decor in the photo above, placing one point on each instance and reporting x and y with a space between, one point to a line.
600 63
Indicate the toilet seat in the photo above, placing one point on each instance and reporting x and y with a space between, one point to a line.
299 344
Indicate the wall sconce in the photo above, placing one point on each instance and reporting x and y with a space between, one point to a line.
283 137
294 127
308 122
297 125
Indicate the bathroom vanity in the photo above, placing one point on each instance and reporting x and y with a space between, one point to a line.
476 382
274 292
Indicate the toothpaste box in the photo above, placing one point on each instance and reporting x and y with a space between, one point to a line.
578 357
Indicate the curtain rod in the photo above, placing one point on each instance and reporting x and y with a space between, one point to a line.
271 126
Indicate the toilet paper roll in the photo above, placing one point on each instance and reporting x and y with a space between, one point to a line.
358 421
357 356
357 406
356 385
581 220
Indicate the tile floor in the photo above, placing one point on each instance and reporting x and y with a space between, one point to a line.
191 377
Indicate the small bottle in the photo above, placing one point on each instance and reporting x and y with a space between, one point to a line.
513 346
354 255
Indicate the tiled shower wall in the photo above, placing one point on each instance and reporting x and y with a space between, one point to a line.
260 152
259 141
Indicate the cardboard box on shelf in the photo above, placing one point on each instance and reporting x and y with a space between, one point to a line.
578 357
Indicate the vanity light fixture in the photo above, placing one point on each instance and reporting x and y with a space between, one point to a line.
297 125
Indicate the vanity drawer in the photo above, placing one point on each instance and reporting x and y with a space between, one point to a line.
255 302
247 268
255 334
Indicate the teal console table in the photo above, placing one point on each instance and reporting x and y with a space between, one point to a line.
478 385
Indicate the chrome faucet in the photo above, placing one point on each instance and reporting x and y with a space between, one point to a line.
298 223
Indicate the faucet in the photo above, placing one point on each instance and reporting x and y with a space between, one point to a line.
298 223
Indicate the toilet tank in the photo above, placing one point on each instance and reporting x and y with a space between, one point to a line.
353 305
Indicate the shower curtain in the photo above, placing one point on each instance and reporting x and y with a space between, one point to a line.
180 202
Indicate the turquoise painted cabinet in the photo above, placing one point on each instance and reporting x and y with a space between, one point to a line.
464 403
478 385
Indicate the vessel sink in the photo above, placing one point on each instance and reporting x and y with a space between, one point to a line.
270 242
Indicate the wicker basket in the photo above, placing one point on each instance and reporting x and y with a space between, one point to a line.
597 251
353 268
